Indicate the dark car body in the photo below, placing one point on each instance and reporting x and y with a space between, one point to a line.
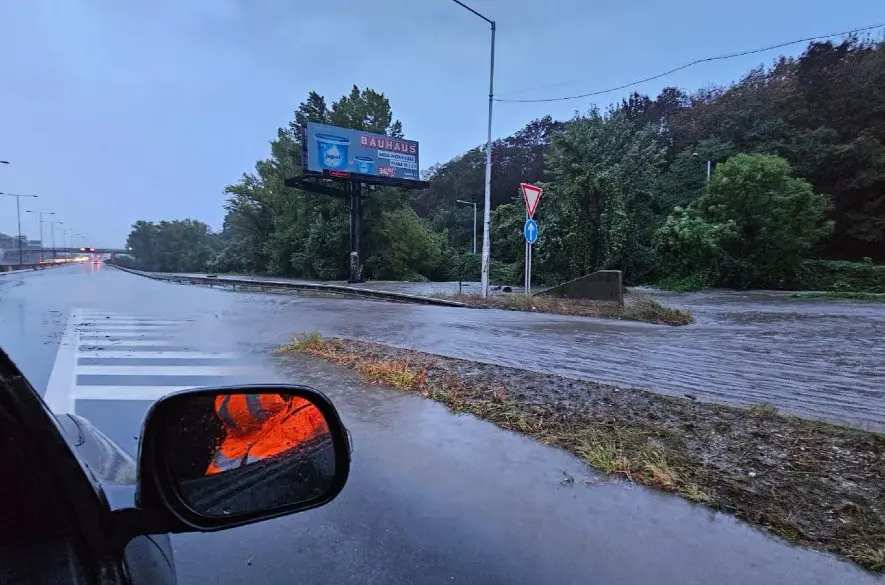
71 476
113 473
75 508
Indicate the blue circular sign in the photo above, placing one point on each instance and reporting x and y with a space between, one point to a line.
531 231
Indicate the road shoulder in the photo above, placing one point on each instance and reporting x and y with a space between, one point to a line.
812 483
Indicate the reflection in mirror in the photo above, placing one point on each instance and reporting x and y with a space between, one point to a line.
239 453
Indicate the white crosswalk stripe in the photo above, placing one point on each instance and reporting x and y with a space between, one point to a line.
116 356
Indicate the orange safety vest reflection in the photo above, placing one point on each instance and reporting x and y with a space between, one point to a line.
258 426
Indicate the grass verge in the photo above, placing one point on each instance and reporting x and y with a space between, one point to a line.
841 296
812 483
640 308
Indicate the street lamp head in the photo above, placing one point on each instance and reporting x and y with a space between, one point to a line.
4 162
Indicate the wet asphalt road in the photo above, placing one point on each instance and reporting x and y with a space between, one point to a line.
432 498
816 359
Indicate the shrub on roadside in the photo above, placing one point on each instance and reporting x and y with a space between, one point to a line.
838 275
689 283
501 273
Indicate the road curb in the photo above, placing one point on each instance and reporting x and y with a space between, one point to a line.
303 286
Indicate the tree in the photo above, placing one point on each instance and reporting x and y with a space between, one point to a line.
611 179
274 229
172 246
599 204
752 227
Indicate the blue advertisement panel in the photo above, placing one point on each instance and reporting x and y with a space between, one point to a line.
342 152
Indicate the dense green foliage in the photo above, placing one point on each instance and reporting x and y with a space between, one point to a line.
798 158
751 227
172 246
834 275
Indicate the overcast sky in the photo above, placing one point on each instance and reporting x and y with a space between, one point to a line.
114 111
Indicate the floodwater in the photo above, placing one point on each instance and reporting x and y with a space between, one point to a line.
817 359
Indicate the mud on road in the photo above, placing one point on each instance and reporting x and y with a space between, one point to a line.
813 483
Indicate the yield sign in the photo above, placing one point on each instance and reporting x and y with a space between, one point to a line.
532 196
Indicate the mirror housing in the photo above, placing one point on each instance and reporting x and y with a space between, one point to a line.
216 458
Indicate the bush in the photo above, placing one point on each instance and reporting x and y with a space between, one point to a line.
466 267
838 275
506 273
689 283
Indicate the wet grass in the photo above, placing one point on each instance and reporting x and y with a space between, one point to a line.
841 296
396 373
641 308
763 410
812 483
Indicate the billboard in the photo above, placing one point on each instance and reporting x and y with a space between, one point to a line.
363 156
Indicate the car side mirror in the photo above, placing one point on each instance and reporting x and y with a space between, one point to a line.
222 457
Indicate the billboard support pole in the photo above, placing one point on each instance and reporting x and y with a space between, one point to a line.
356 215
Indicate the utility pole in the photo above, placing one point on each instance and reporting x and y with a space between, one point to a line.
18 212
41 214
709 169
486 213
474 221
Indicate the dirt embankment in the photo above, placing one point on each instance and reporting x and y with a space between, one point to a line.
815 484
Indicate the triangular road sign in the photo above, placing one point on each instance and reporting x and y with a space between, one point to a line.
532 196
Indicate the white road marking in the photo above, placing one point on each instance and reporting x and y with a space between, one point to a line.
157 355
127 331
159 369
128 392
121 334
63 378
126 342
147 323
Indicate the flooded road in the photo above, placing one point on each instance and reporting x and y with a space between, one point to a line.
820 360
433 497
816 359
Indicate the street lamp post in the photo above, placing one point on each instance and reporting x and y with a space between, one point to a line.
18 213
709 169
486 213
41 214
474 221
52 225
64 242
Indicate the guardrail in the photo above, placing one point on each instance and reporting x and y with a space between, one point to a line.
17 268
338 289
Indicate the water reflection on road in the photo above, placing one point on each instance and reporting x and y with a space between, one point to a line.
816 359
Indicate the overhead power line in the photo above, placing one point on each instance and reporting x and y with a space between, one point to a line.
681 67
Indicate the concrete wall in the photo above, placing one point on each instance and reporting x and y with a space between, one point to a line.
605 285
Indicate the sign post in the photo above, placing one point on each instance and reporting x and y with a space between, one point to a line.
532 195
